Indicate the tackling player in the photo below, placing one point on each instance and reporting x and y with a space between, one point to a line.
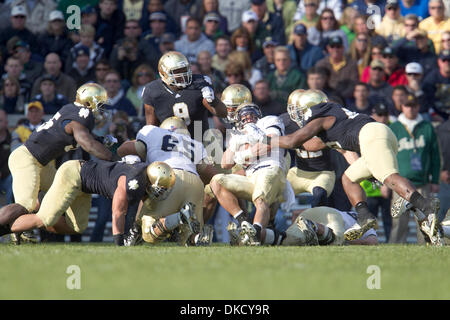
31 164
355 132
180 93
171 143
75 181
265 178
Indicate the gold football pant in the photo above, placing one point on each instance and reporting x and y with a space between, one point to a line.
379 149
29 177
306 181
265 183
65 195
329 217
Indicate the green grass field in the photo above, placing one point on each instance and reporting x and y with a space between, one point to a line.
222 272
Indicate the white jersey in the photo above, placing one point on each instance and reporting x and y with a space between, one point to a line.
270 125
350 220
177 150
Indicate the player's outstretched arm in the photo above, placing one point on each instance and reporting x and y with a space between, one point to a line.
87 141
119 210
299 137
216 107
314 144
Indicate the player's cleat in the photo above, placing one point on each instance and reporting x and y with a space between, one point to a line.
134 236
204 238
357 231
432 231
399 207
434 223
187 216
233 232
247 235
307 227
23 237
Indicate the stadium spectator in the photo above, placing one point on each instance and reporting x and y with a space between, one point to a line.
55 37
436 24
395 73
266 64
418 160
361 26
166 44
204 60
101 69
347 23
415 48
65 84
443 134
391 27
110 24
223 48
96 52
116 95
212 6
18 20
246 38
51 101
379 89
158 23
21 50
311 16
233 11
268 21
5 146
142 75
341 68
211 26
89 15
416 7
235 74
334 5
414 74
127 58
34 118
261 97
157 6
37 13
183 10
303 54
436 86
286 10
361 102
10 99
363 5
326 27
82 70
317 78
399 97
445 40
251 74
193 41
360 50
14 69
132 30
285 78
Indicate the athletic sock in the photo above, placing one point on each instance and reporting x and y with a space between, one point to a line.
270 237
363 213
240 217
258 229
421 203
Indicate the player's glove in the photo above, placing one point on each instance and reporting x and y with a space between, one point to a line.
208 94
109 141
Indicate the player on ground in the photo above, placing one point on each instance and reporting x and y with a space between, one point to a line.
32 166
358 133
171 143
265 178
75 181
180 93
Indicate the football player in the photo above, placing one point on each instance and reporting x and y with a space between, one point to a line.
359 133
75 181
265 178
180 93
325 226
32 165
172 144
313 171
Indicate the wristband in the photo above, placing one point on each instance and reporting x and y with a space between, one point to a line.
118 239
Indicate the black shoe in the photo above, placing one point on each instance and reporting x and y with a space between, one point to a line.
134 236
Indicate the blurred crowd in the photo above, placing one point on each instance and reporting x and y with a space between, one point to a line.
386 58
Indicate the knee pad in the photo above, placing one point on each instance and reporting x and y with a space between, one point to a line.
319 197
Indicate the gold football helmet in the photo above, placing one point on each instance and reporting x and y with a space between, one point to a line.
175 69
233 96
176 125
92 96
162 179
300 101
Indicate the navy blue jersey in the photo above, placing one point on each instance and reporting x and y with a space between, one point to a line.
186 103
305 160
50 141
101 177
345 130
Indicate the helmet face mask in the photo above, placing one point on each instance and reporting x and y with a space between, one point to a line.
296 114
247 113
300 101
92 96
231 113
175 70
161 180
